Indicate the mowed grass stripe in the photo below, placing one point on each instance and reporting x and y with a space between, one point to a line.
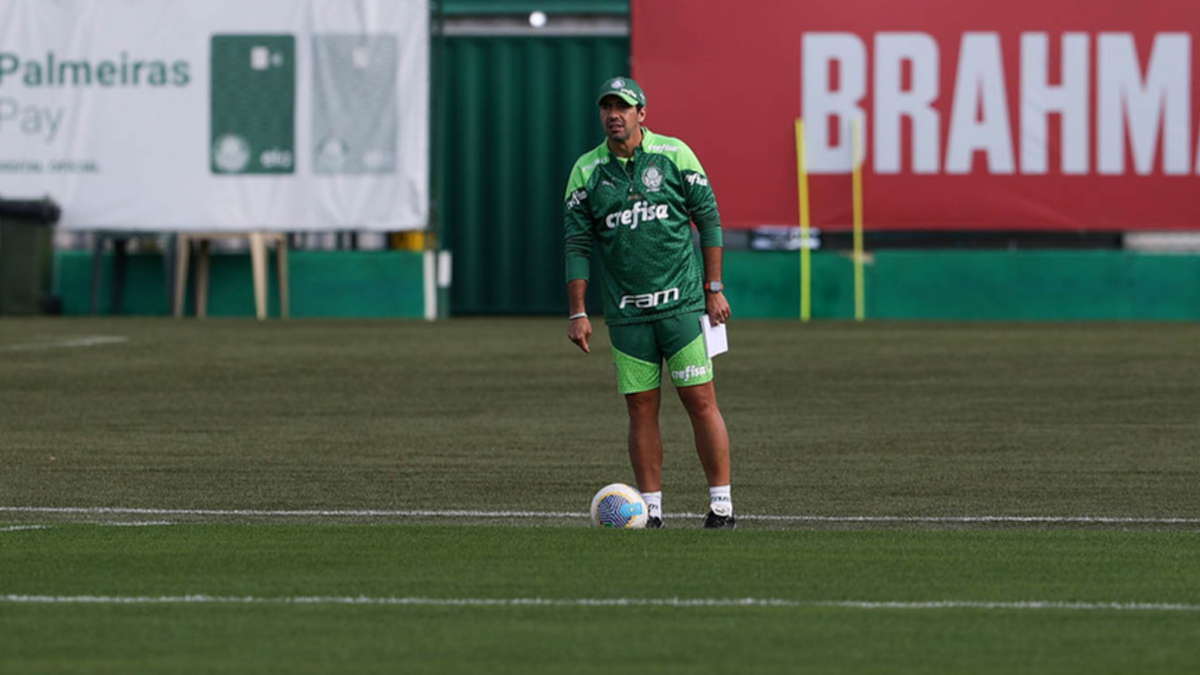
979 601
463 561
830 419
476 514
595 602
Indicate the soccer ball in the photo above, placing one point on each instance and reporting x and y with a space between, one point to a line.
619 506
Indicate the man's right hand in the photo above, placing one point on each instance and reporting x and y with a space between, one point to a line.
579 331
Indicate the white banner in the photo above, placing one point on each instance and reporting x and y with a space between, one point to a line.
218 115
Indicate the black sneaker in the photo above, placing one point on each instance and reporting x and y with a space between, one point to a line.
653 523
715 522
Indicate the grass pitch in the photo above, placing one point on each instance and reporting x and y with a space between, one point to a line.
914 498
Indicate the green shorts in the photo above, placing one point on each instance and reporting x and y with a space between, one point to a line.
640 348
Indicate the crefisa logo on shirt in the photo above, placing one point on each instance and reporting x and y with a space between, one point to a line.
577 197
642 212
688 373
652 178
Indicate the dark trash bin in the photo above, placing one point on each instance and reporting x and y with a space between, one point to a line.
27 256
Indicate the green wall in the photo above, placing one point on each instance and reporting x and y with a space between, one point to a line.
359 284
937 285
971 285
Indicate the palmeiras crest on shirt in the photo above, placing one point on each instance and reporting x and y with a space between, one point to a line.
652 178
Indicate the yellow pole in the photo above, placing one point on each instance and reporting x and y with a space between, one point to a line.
805 269
856 158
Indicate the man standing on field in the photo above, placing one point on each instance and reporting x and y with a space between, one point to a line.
636 196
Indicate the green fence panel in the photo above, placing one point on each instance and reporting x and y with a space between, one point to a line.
957 285
518 111
321 284
575 7
901 285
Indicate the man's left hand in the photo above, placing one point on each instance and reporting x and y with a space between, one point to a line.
717 307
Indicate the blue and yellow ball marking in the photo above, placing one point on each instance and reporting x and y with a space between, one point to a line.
616 511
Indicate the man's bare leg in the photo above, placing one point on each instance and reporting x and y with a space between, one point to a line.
645 439
708 428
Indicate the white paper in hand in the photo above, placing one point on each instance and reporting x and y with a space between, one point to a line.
715 339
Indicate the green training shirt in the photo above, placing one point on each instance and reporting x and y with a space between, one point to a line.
640 213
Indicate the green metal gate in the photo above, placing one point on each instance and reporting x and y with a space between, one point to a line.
515 113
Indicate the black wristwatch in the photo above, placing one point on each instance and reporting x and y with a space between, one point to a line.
714 287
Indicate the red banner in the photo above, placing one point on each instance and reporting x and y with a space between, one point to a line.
1072 114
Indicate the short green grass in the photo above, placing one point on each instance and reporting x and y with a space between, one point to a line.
455 563
828 420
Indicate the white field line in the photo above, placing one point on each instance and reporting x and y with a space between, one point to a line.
136 523
596 602
303 513
86 341
463 513
980 519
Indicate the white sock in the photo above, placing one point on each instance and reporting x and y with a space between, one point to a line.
653 503
720 500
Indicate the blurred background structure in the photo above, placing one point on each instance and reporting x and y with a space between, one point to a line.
1019 162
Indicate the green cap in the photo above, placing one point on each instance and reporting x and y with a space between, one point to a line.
627 89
